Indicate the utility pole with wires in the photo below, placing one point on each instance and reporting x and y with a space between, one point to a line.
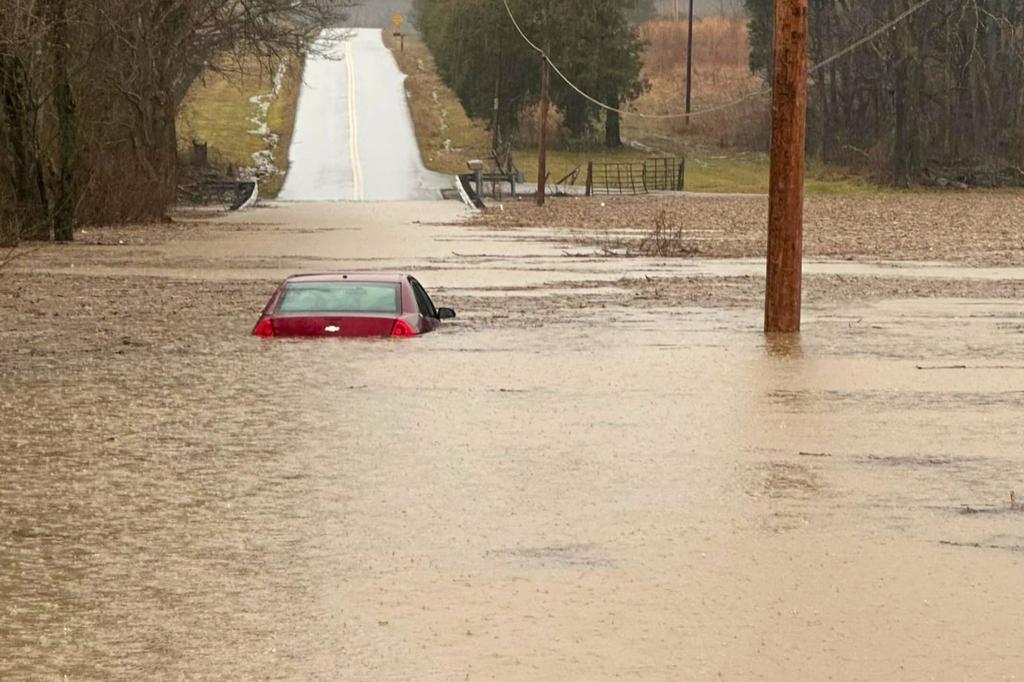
689 62
786 186
545 95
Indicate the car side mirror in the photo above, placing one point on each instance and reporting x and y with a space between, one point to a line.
445 314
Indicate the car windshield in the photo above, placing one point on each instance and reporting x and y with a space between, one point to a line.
340 297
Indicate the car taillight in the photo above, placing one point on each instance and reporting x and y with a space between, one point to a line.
264 328
402 328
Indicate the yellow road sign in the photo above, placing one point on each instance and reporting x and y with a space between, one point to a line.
398 19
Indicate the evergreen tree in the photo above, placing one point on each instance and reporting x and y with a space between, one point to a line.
760 27
481 56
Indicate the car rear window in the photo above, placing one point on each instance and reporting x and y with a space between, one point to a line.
340 297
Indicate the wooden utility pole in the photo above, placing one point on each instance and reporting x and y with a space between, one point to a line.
689 62
542 160
786 186
495 132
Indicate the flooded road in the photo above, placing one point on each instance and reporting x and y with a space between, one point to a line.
608 491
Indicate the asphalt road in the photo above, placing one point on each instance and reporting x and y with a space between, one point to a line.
354 138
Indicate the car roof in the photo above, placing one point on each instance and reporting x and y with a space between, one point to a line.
384 277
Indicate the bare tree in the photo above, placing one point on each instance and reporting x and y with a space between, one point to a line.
90 91
940 94
23 197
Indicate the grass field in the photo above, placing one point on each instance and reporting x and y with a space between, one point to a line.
218 111
706 171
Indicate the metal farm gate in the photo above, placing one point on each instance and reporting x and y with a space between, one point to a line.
637 177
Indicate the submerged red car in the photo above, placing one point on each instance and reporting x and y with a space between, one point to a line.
350 305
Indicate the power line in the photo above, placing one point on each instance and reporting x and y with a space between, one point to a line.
720 107
868 38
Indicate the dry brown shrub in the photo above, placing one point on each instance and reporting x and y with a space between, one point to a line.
666 241
717 42
721 76
744 125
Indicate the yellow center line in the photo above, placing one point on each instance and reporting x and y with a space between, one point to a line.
353 124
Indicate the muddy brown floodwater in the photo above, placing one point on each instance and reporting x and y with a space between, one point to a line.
580 479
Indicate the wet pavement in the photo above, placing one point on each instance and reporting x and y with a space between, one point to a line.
354 137
608 491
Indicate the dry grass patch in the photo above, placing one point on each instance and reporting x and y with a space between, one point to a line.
447 137
721 75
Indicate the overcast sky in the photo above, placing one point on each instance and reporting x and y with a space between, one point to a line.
703 7
378 13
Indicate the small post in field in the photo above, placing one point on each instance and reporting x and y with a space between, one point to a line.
689 62
397 20
786 186
495 132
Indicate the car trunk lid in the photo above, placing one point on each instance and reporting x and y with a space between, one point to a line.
333 325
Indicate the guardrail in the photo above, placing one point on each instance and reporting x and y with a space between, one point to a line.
236 194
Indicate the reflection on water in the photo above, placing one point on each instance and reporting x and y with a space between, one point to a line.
502 504
783 346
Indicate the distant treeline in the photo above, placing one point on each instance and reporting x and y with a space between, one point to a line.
941 93
90 91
